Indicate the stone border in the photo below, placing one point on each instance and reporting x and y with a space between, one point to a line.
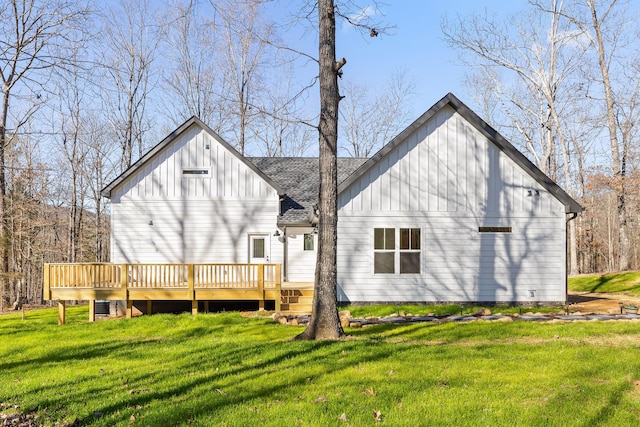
484 315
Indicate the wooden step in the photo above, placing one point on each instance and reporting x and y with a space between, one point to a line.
296 301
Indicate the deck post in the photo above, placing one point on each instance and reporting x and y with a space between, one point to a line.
149 307
261 286
129 314
278 289
61 312
206 306
46 288
190 280
92 310
194 307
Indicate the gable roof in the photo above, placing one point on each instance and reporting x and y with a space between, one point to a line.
300 180
571 206
167 141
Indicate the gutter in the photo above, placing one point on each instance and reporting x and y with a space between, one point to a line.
566 251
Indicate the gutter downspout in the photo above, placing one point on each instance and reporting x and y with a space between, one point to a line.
285 255
566 251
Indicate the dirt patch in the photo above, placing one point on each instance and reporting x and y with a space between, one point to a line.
599 303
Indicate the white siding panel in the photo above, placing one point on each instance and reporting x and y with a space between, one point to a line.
300 264
194 231
460 181
458 263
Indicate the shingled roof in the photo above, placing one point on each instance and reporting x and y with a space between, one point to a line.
300 181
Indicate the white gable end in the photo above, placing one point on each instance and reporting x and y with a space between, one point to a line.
447 165
196 165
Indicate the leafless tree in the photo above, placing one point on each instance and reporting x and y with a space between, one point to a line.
604 24
193 79
36 34
244 36
325 324
370 121
131 40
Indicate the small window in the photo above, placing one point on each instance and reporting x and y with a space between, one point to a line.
494 229
195 172
258 248
308 242
384 246
409 251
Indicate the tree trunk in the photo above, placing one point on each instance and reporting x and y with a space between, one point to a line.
618 166
325 323
4 236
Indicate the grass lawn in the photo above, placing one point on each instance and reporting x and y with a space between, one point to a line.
626 282
226 370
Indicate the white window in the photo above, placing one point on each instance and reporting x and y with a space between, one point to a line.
393 256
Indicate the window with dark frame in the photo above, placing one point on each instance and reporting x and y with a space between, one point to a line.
308 242
384 245
494 229
195 171
408 249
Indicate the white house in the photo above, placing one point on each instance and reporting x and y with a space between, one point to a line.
446 211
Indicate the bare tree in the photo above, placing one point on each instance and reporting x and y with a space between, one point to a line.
603 24
325 323
245 37
36 35
194 78
132 38
278 130
370 121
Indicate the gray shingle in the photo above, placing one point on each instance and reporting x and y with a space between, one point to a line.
299 178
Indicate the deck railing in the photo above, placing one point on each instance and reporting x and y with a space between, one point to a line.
91 281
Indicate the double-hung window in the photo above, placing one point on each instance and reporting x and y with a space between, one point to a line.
396 251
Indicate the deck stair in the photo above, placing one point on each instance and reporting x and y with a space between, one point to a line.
296 301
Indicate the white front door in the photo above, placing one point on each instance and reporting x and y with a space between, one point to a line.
259 249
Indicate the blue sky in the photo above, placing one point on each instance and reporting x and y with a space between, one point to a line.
416 45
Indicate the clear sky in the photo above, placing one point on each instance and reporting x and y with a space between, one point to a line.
415 45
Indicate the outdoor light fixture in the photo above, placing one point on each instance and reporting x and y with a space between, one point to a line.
532 293
150 221
315 230
277 233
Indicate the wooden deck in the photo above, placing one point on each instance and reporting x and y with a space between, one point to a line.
154 282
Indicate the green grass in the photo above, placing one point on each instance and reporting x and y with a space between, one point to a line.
223 369
626 282
439 310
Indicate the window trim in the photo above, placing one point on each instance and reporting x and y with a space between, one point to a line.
395 248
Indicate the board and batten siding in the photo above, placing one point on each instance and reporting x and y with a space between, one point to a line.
161 215
448 179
